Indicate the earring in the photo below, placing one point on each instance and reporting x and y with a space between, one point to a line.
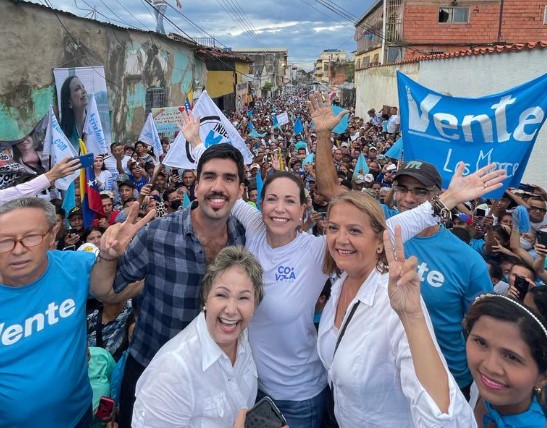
537 390
204 307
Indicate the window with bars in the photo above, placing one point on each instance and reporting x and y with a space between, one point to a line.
155 97
454 15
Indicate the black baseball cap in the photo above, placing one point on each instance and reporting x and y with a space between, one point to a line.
75 211
424 172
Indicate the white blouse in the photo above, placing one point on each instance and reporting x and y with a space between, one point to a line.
191 382
372 374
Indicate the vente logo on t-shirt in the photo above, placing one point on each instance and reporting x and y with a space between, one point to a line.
431 276
11 334
285 273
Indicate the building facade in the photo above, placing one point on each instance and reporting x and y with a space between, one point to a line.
269 69
142 69
330 67
414 28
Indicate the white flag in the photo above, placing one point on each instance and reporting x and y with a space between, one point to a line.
214 128
57 145
94 135
149 135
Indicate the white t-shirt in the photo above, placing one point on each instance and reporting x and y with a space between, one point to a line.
111 165
392 123
372 373
282 334
191 382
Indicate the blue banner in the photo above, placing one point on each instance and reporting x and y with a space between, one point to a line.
446 130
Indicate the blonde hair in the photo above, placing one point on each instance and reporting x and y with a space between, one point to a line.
371 208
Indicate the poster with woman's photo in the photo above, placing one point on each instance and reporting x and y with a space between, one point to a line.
74 86
23 159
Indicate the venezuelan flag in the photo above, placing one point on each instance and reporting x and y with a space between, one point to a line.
89 192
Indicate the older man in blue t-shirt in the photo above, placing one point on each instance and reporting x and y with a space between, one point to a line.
43 360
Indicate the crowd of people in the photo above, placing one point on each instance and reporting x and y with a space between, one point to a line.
348 286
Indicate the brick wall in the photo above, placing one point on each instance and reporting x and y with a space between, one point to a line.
522 21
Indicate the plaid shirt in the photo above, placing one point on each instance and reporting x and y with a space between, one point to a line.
172 260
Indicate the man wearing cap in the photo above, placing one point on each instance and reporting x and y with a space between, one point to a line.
126 189
386 178
452 273
73 239
358 182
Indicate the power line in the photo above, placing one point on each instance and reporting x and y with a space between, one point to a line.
195 25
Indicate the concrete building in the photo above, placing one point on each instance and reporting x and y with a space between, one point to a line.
269 69
228 74
142 69
330 66
414 28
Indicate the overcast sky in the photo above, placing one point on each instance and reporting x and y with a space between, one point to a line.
305 27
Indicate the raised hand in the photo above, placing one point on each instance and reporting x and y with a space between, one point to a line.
475 185
321 112
404 282
118 236
189 126
63 168
276 165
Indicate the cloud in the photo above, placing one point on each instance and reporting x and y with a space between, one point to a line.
304 27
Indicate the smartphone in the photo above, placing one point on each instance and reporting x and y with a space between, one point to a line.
522 287
85 160
541 237
105 409
480 212
265 414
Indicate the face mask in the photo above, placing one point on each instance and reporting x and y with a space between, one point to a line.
175 205
525 244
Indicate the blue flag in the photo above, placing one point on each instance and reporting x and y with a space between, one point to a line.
255 134
445 130
69 201
251 126
186 201
259 185
275 122
308 159
396 150
298 127
343 125
250 113
361 167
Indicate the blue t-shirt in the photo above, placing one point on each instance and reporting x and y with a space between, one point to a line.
452 274
43 347
478 246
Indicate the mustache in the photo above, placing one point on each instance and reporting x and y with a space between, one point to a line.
217 195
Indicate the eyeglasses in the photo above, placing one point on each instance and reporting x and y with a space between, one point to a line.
28 241
418 192
541 210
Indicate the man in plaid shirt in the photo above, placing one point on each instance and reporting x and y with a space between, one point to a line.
171 254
